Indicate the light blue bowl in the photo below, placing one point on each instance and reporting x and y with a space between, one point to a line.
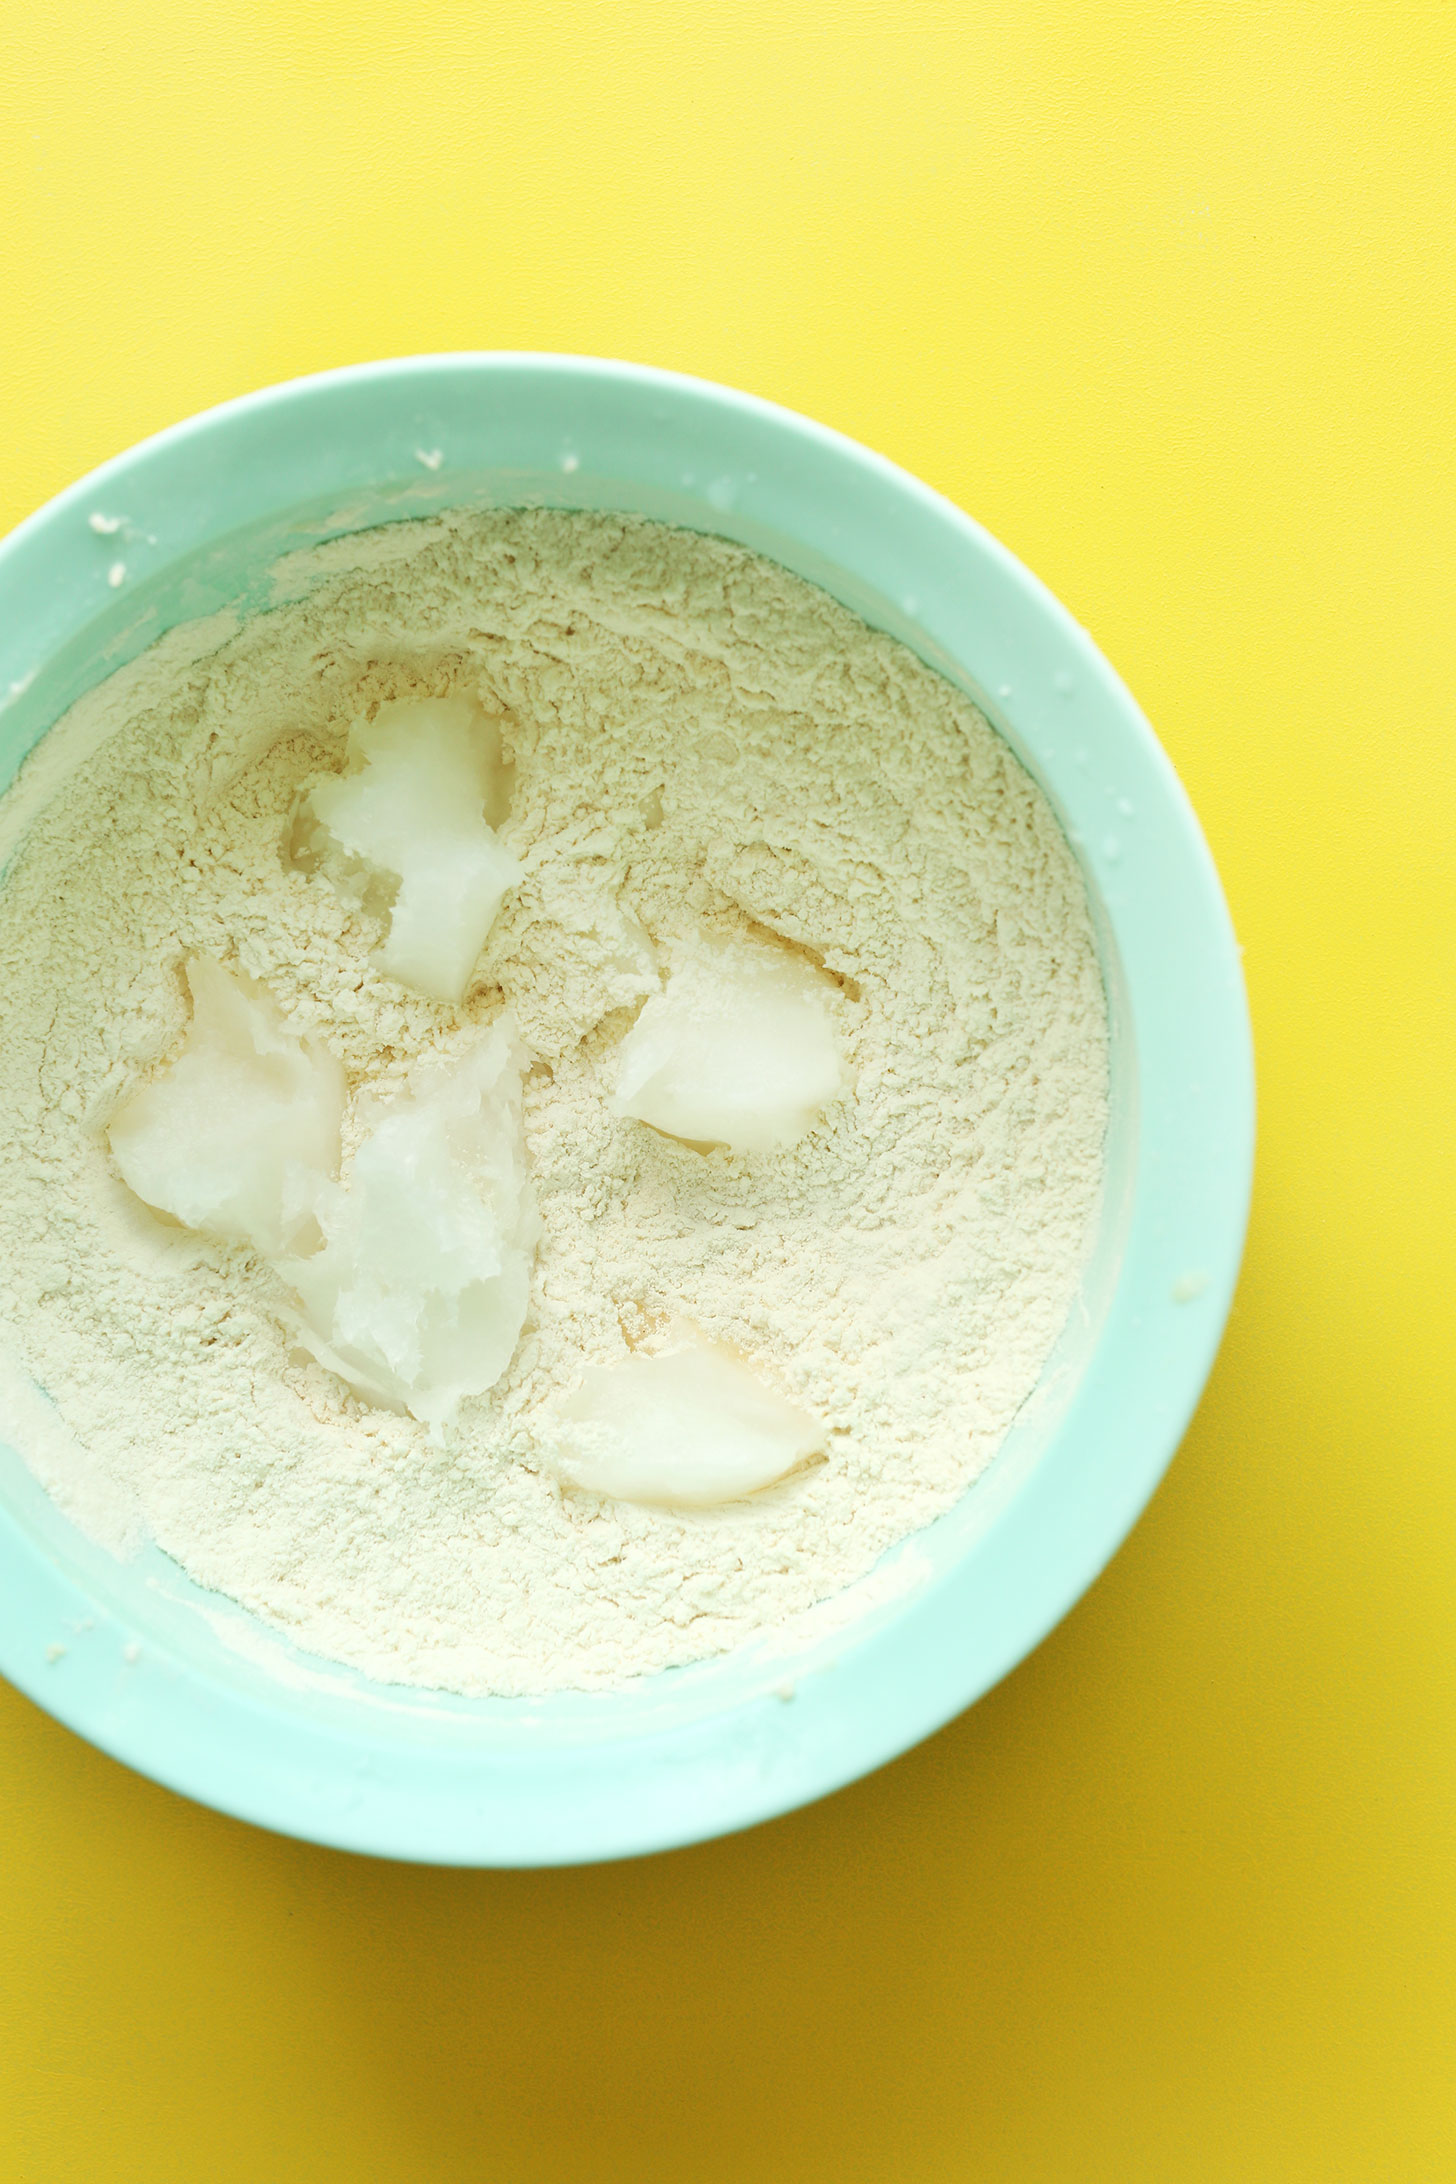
178 1682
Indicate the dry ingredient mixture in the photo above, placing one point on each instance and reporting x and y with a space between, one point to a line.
701 750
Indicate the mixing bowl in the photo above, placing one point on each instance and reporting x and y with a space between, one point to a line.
192 1691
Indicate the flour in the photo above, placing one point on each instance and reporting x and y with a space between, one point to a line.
700 741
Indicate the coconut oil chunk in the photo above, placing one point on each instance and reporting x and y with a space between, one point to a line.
738 1049
239 1137
420 1291
685 1429
413 814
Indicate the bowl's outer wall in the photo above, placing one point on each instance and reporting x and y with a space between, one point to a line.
127 1654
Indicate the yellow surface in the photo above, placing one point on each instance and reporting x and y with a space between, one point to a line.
1163 294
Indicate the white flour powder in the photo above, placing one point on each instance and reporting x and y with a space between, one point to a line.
698 737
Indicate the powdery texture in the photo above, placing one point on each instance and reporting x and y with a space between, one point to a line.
698 738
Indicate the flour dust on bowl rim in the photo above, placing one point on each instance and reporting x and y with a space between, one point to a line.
186 1687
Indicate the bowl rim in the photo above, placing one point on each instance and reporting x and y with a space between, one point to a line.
472 1804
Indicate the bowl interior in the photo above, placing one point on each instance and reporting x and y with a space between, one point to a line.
191 1688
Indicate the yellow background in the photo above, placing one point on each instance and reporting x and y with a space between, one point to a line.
1164 295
